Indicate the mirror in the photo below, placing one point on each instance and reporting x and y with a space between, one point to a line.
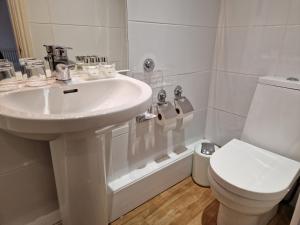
89 27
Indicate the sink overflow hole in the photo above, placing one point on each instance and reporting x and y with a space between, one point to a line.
70 91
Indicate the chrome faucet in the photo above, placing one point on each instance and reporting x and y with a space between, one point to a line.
63 72
59 63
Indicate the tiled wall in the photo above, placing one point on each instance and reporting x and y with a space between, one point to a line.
180 37
191 41
88 26
255 38
27 187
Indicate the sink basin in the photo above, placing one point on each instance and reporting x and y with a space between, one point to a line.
76 118
73 107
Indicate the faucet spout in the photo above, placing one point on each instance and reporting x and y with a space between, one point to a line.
63 72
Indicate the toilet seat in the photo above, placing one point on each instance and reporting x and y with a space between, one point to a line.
252 172
239 203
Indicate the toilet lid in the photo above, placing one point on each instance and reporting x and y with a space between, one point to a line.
253 172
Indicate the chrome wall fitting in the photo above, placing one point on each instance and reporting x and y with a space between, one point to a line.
166 113
161 97
148 115
149 65
178 92
182 104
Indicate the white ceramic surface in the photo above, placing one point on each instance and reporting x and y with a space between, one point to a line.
273 121
250 181
95 104
77 117
249 171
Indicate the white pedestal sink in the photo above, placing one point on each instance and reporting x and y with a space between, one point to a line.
76 118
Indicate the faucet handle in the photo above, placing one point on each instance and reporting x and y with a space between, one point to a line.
57 50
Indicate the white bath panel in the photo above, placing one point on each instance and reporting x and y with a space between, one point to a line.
140 185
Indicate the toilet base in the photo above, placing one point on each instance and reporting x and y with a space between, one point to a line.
228 216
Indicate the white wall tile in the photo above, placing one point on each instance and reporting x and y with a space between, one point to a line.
176 49
116 45
83 39
221 126
190 12
105 13
27 193
195 88
272 12
251 50
41 34
79 12
240 12
196 130
38 11
234 92
111 13
290 58
294 16
256 12
13 157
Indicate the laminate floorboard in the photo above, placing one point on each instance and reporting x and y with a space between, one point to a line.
186 203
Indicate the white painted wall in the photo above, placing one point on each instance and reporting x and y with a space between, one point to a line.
255 38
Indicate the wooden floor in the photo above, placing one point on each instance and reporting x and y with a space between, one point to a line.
185 204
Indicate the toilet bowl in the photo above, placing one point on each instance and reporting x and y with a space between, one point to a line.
251 176
249 182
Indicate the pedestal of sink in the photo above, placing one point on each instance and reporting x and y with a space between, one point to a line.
80 165
77 118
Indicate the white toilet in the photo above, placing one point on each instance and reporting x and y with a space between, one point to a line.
250 177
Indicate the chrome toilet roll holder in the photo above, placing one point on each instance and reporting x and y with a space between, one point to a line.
182 104
166 110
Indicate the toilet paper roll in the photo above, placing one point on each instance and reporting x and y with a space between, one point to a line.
166 117
185 121
183 107
167 125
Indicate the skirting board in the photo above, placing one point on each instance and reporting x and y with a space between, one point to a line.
135 193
